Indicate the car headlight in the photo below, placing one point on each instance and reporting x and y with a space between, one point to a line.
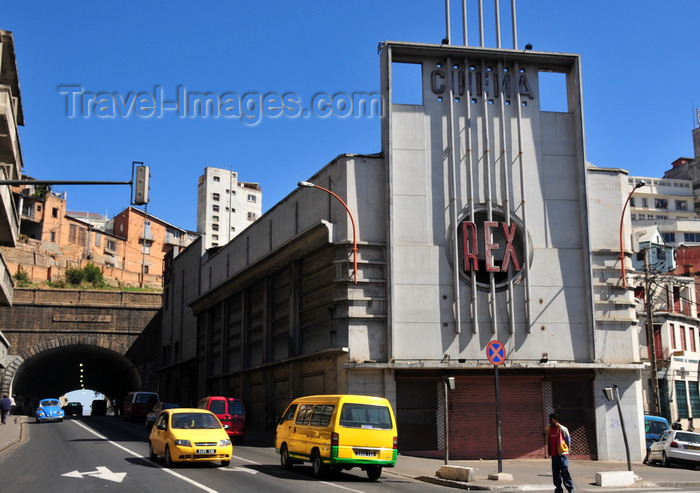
224 443
60 413
40 413
183 443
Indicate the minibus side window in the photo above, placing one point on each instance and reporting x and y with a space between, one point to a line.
304 414
365 416
289 414
322 415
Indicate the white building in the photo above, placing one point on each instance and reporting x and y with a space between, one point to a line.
225 206
470 231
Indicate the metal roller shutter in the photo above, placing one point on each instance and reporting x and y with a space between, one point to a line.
472 414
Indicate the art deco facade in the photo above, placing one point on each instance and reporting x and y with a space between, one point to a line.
472 226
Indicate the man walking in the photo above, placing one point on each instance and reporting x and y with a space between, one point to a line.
5 406
558 444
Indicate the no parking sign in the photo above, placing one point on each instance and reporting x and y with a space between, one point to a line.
496 352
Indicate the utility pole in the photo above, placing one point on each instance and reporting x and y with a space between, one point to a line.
651 343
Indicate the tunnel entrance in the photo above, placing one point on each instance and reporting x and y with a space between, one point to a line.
57 371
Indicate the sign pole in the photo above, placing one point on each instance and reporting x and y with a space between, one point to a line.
498 419
496 354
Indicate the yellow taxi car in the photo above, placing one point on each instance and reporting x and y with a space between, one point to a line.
189 435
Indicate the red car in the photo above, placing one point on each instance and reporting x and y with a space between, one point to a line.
230 412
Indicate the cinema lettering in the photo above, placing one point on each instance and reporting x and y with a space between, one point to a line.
490 247
480 82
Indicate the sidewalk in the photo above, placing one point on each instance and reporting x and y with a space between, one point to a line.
528 474
11 433
535 474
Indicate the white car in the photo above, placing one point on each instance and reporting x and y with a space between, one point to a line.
676 447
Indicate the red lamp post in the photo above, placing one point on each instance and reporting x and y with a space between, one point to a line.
352 220
639 184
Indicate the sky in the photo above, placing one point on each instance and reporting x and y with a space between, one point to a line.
640 69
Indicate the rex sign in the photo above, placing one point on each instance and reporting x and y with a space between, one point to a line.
490 247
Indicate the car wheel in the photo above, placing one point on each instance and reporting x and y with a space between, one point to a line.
168 458
284 457
664 460
225 463
151 454
373 472
317 464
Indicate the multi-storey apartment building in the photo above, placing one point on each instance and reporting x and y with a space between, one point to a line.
225 206
11 117
668 204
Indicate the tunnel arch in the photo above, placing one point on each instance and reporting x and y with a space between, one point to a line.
52 368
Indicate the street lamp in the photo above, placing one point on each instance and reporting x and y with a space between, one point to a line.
352 220
639 184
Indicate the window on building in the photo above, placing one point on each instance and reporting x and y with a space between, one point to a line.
251 216
659 216
215 208
215 237
145 269
691 237
214 218
645 203
669 237
681 205
672 329
661 203
691 336
38 207
682 399
111 246
215 196
252 198
214 244
632 202
694 398
98 239
146 247
216 178
54 212
73 234
681 329
215 227
53 237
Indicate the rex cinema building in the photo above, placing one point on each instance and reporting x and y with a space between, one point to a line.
474 224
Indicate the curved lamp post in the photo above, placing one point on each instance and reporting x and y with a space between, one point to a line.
352 220
640 184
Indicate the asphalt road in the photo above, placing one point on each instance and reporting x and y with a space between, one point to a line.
105 453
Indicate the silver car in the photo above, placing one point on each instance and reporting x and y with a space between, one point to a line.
676 447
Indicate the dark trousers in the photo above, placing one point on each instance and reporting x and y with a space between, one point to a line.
5 414
560 473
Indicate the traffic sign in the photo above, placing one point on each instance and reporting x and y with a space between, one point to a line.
496 352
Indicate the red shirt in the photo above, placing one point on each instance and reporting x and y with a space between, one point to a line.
553 441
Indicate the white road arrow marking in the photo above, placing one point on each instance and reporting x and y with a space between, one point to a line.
101 473
238 469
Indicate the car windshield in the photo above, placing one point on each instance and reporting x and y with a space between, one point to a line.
688 437
235 407
195 421
49 402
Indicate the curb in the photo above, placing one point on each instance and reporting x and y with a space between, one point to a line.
9 445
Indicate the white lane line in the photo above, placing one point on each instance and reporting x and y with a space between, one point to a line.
322 482
179 476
